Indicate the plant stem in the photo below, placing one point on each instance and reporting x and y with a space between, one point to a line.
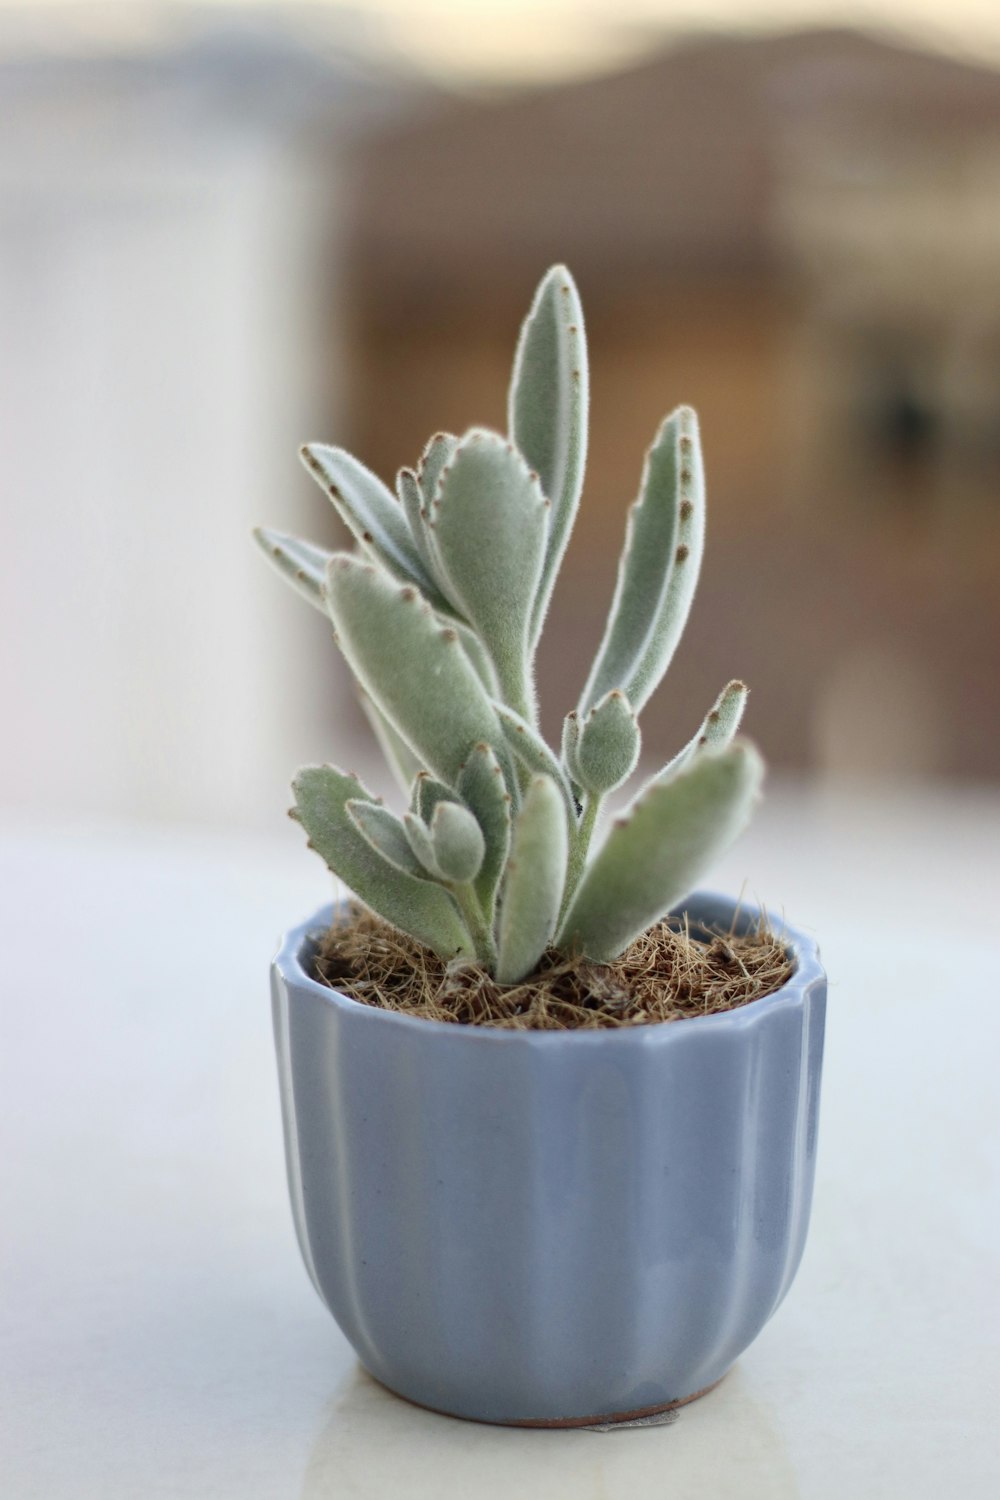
517 689
581 844
479 929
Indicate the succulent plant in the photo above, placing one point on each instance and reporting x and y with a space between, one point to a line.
438 613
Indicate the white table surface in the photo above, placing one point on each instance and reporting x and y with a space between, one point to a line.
158 1335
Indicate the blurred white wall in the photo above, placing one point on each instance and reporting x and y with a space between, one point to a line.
168 299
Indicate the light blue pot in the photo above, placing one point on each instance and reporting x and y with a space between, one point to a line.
549 1227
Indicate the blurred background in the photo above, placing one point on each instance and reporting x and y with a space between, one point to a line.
227 228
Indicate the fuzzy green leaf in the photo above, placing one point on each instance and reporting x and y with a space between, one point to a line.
412 500
301 562
488 525
482 787
478 656
372 513
415 506
607 749
717 729
425 794
547 413
458 842
536 872
534 754
655 853
385 832
412 667
435 457
659 567
400 759
421 844
424 910
570 740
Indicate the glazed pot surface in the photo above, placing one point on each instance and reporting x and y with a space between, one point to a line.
524 1226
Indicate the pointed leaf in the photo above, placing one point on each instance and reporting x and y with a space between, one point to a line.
372 513
385 832
412 500
424 910
412 667
659 567
301 562
570 740
435 457
458 841
488 525
482 786
421 844
536 873
655 853
717 729
608 747
547 413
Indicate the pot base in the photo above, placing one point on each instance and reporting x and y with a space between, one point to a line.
562 1422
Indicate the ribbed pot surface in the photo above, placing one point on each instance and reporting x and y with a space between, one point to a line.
549 1226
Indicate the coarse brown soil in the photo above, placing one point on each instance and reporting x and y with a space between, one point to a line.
668 974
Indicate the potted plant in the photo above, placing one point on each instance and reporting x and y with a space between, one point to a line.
513 1223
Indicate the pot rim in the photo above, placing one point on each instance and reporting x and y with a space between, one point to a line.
804 949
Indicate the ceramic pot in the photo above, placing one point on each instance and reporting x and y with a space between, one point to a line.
549 1227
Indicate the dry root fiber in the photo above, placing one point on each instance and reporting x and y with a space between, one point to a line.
666 975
